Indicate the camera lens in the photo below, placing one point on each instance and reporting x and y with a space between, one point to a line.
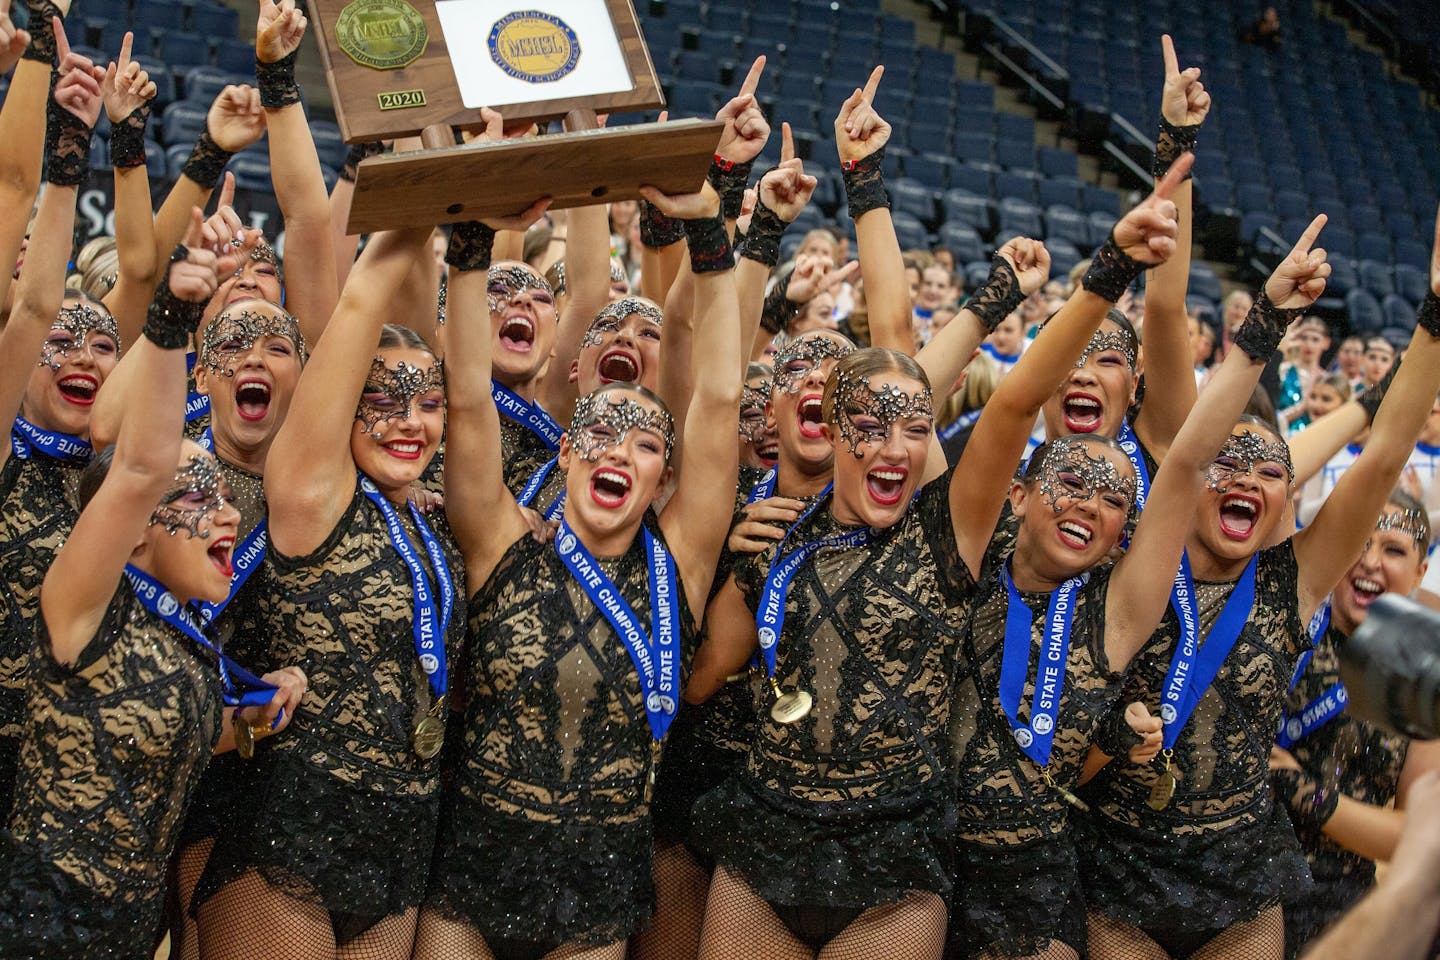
1391 667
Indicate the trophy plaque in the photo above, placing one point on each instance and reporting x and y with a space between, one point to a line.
398 68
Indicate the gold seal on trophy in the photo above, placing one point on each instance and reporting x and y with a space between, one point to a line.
381 34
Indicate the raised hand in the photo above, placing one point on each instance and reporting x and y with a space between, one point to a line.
236 120
78 89
1147 233
278 30
275 716
1030 261
196 278
127 87
1299 279
762 523
685 206
747 208
787 188
859 129
12 43
522 221
1183 100
745 130
1148 728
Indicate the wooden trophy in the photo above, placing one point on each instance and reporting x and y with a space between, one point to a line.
397 69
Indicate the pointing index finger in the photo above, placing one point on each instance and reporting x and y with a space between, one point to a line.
787 143
62 42
873 83
1311 234
126 46
752 79
1167 49
1165 189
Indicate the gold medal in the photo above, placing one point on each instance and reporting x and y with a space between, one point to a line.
1065 795
789 707
244 738
429 735
1164 790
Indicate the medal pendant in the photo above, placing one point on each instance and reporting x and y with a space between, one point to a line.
1163 791
792 706
244 739
429 736
1071 799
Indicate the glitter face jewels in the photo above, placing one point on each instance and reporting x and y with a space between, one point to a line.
1408 522
504 284
1071 473
798 357
1109 340
879 410
1243 454
198 491
602 420
234 333
614 315
79 321
390 392
752 411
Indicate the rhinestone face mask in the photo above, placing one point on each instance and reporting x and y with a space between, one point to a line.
397 389
1409 522
798 357
614 314
504 284
198 491
1071 473
1109 340
887 406
602 420
752 411
235 332
1242 454
79 321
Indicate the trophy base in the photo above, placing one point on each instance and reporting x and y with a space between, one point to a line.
479 180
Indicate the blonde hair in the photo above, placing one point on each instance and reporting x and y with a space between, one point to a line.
97 267
982 376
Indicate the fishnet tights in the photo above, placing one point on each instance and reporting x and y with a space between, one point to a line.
185 872
1260 939
251 918
681 887
1054 950
739 925
440 939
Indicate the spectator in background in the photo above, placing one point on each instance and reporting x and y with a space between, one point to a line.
1379 358
1305 343
1006 344
1202 346
939 293
944 257
1232 313
1324 395
1264 32
1350 361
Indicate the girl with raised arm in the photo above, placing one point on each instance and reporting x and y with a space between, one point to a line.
545 848
129 695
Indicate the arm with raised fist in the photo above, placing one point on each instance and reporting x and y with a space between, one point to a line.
128 95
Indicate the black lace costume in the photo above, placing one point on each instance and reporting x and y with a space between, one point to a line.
1021 886
1360 761
114 748
1221 851
523 453
240 633
38 509
851 806
344 809
546 835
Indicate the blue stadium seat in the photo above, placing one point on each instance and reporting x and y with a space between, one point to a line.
1374 246
1252 197
214 19
183 50
1019 218
1376 276
914 198
974 147
974 93
963 240
1411 282
236 56
1364 310
929 136
1413 253
1058 163
183 123
1064 223
1203 282
203 84
931 169
155 165
910 232
976 274
99 153
1016 184
963 206
1102 200
252 170
1100 224
975 177
329 144
1063 256
1398 312
1066 191
1015 154
1251 224
175 158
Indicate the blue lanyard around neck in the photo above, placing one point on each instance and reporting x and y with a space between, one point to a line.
529 415
26 440
1324 708
197 405
1036 737
533 485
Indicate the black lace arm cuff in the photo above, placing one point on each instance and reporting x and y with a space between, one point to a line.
999 297
1310 804
277 81
206 161
358 152
170 320
1371 399
67 147
729 180
1113 735
865 184
1428 318
1111 271
779 309
42 34
657 231
127 139
1171 143
470 245
762 242
709 245
1263 328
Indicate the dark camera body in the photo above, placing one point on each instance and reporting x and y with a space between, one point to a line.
1391 667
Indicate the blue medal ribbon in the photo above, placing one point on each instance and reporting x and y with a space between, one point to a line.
26 440
1131 445
1324 708
206 439
245 559
1036 737
429 628
966 420
533 485
197 405
527 414
1194 666
764 488
657 656
238 686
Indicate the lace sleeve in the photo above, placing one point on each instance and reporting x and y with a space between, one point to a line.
1111 271
865 184
999 297
1171 143
67 147
127 139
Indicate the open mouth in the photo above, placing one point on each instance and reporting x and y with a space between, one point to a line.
404 449
1075 535
768 453
517 333
609 488
1238 516
886 484
219 553
252 399
1082 412
811 414
1365 591
79 389
619 367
